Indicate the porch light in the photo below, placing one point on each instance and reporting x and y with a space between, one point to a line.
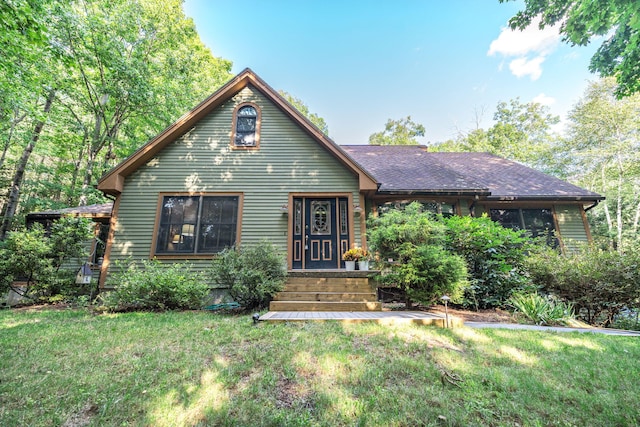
357 209
284 209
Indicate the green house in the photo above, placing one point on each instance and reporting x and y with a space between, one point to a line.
245 165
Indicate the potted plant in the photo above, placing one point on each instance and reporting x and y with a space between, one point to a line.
350 257
364 256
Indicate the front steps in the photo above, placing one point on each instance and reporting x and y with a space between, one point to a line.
327 290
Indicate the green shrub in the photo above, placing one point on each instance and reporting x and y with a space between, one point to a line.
495 259
541 310
252 274
409 247
32 256
627 319
153 285
600 283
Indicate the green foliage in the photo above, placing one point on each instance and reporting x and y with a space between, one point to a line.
153 285
414 242
253 274
36 258
25 255
583 20
605 149
495 259
541 310
628 319
522 132
398 132
318 121
122 72
600 283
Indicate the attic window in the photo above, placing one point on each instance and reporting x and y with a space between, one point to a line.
246 126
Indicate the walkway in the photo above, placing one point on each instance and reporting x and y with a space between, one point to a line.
551 328
421 318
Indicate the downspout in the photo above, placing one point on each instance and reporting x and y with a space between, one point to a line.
596 203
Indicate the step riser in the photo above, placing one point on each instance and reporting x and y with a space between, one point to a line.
328 280
324 306
326 296
328 288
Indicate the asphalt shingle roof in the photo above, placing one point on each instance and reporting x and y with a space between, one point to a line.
412 169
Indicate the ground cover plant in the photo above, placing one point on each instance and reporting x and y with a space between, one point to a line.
72 367
151 285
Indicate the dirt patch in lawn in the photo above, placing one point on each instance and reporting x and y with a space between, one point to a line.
492 315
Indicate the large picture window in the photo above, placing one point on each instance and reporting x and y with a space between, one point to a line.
197 224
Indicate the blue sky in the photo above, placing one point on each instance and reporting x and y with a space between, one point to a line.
358 63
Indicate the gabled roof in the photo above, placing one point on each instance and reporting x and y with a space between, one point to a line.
113 181
414 170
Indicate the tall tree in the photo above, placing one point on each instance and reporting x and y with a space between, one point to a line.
583 20
522 132
122 71
398 132
302 107
604 142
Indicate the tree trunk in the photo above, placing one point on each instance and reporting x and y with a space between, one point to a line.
13 197
607 214
12 129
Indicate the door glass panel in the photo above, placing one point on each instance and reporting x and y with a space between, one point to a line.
320 217
344 224
297 223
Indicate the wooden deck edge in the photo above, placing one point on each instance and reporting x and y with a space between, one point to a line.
454 322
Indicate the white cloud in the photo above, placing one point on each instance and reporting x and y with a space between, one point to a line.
527 67
543 99
531 42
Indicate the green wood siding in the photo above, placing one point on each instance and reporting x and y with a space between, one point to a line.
288 160
571 226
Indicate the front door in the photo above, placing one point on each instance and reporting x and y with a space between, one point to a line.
321 232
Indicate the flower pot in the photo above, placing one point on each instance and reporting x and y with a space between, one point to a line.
350 265
363 265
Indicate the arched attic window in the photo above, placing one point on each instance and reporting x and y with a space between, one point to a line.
246 126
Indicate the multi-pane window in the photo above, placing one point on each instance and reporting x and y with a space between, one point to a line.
538 222
246 127
197 224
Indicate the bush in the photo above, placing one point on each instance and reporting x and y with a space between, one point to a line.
32 256
252 274
600 283
413 240
156 286
495 259
541 310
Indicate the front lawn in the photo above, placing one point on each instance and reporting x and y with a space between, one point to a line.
72 368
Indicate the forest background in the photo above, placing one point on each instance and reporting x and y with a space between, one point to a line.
83 84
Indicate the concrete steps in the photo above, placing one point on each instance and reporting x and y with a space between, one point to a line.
326 291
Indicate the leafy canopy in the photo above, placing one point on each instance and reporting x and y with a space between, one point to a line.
304 109
398 132
582 20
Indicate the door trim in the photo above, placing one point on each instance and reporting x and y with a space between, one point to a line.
350 214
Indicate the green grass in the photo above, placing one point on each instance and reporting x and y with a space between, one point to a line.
73 368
